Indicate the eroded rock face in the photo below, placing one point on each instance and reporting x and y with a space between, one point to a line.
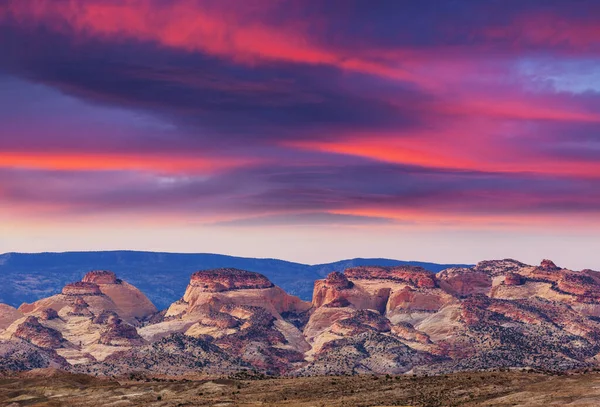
371 319
244 313
413 275
227 279
362 321
104 317
338 280
79 308
499 267
35 333
352 295
8 315
464 281
235 287
407 331
411 299
101 277
19 355
48 314
549 265
513 279
119 333
81 288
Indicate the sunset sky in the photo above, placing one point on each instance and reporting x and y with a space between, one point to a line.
434 130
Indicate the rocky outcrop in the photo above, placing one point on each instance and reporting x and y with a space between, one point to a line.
119 333
463 282
361 321
79 308
407 332
131 303
496 268
244 313
176 354
81 288
548 265
102 291
513 279
499 313
19 355
338 281
101 277
415 276
368 352
48 314
8 315
104 317
235 287
227 279
32 331
220 320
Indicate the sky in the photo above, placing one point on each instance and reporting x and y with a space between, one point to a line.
308 130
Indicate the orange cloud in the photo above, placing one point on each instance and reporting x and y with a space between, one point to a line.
450 151
113 162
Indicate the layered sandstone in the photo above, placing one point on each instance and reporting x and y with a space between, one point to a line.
119 333
131 303
101 277
227 279
390 293
413 275
32 331
500 313
101 291
80 308
463 282
48 314
8 315
513 279
81 288
210 290
243 312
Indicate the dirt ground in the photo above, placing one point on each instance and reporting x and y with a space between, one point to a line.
462 389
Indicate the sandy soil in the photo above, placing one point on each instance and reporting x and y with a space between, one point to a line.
52 388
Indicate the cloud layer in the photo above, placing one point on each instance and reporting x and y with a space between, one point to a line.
264 113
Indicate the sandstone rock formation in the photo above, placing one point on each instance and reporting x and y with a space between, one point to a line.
243 312
8 315
412 275
32 331
20 355
513 279
463 282
94 318
131 303
211 289
499 313
48 314
100 291
465 315
119 333
81 288
101 277
219 280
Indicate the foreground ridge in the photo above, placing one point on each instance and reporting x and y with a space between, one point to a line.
368 319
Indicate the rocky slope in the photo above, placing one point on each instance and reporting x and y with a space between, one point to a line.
8 315
243 313
368 319
87 322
